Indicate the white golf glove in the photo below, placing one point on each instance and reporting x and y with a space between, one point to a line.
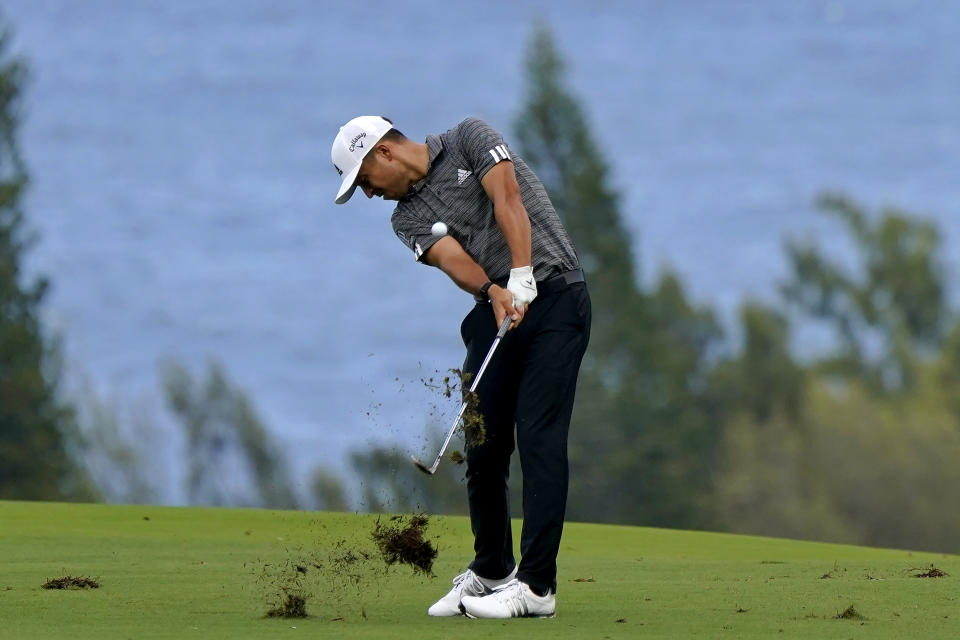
522 286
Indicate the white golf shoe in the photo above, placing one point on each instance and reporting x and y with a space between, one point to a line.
467 583
512 600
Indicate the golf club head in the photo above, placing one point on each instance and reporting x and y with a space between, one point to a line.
427 470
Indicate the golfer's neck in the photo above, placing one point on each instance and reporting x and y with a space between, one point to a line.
418 162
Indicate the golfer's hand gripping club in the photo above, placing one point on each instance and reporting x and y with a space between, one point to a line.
504 326
522 286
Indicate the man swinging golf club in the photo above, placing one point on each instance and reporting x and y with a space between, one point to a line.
505 245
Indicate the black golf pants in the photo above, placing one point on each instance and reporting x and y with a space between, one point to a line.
527 389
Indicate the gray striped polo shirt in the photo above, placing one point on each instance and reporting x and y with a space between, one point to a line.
451 193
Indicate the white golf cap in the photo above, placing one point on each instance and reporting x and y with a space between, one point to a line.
353 142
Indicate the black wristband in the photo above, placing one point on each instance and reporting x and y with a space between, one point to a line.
483 290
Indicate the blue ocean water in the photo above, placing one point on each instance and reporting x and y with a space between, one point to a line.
183 191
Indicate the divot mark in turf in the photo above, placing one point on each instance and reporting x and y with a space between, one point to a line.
584 579
71 582
932 572
401 540
850 613
829 574
293 606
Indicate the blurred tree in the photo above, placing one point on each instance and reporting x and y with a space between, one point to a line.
763 380
863 461
231 460
887 311
864 469
120 454
328 493
948 368
553 136
643 437
35 425
392 484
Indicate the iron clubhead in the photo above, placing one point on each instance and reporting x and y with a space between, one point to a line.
427 470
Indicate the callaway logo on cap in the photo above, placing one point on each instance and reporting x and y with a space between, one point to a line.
353 142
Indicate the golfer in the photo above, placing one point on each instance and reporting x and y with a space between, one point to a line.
506 247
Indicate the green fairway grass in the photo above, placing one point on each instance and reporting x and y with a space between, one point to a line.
170 572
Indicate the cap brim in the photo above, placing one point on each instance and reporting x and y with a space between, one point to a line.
348 186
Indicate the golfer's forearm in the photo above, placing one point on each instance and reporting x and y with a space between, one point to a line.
514 223
464 271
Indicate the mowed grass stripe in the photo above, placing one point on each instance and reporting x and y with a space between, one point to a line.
169 572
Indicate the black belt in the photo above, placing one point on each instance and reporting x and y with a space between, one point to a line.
560 281
552 284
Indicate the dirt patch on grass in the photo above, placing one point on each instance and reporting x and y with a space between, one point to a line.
294 606
401 540
71 582
932 572
850 613
830 574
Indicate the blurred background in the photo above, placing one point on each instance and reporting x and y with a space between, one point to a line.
764 194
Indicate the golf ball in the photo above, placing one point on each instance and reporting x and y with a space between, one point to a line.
438 229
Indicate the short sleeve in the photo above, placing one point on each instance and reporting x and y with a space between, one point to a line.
481 145
414 232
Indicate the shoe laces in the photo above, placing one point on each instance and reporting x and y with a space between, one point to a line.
468 578
509 591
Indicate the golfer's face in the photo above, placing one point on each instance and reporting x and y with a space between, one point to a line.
381 177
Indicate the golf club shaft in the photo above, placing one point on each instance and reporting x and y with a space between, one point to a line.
504 326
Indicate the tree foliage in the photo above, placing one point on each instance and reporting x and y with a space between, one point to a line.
885 311
863 470
35 424
642 440
391 483
226 443
120 451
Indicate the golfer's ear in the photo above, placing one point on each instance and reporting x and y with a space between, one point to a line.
383 150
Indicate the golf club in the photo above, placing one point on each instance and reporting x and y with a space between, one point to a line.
463 407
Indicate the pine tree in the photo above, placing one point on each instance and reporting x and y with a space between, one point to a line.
34 461
643 436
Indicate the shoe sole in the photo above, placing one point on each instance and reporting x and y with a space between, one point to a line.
463 610
552 615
